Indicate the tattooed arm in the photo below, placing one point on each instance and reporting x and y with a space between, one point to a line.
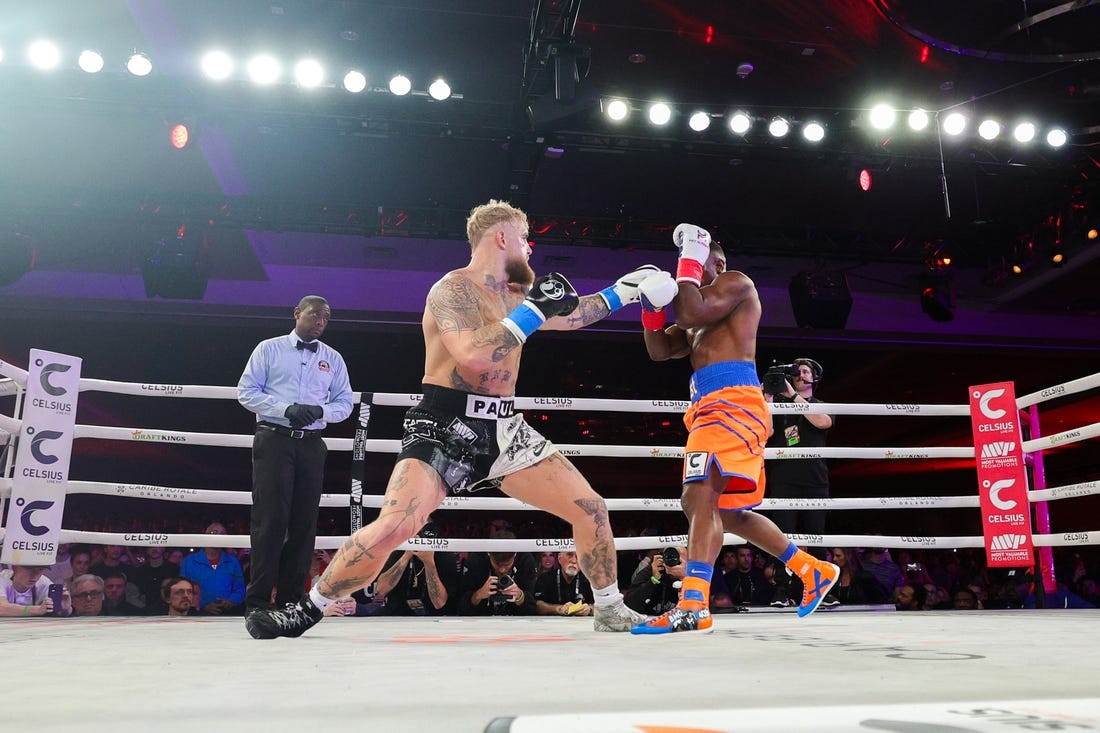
455 306
590 309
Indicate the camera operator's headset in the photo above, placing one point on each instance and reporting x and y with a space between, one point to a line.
814 367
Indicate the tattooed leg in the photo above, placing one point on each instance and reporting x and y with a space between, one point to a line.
556 486
413 493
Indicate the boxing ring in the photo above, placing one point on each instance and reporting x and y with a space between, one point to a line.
841 669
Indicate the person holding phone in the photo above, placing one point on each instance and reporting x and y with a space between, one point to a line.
26 591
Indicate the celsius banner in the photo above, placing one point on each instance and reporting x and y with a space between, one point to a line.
1002 479
42 460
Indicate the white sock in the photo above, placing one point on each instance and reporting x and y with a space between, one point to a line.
319 600
609 596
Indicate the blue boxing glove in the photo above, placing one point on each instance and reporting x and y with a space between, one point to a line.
694 245
656 292
625 289
551 295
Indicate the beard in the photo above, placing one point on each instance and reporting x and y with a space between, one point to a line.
519 272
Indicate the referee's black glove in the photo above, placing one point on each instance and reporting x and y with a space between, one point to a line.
302 415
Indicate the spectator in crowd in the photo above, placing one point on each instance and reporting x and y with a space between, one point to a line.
484 590
659 590
87 595
220 576
114 594
545 562
418 583
965 599
564 591
745 584
80 563
910 597
178 597
24 591
856 586
878 563
114 558
148 577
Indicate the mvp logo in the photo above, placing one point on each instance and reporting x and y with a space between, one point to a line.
1008 541
998 449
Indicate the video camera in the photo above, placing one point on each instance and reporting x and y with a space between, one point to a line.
776 378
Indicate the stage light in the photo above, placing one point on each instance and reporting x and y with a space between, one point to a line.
660 113
264 69
139 65
400 85
1024 132
882 116
778 127
179 136
1017 269
217 65
355 81
918 120
309 73
1057 259
617 110
866 180
1057 137
954 124
44 54
989 129
439 90
1092 234
813 131
699 121
90 61
740 123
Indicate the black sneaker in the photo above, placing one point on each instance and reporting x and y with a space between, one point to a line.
830 601
291 622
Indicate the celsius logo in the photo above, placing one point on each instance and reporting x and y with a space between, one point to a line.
27 515
995 489
47 370
983 403
36 445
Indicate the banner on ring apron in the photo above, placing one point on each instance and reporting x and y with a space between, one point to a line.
1002 478
42 459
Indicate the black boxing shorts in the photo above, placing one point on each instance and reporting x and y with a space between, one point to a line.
472 441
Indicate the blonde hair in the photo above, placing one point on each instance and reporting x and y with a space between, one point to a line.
488 215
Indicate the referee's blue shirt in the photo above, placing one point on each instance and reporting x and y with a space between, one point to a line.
279 375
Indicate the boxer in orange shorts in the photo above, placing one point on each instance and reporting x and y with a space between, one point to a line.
717 314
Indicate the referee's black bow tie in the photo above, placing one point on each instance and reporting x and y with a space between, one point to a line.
312 346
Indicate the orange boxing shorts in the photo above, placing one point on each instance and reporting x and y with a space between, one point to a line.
727 428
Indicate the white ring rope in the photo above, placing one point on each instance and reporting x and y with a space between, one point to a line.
486 503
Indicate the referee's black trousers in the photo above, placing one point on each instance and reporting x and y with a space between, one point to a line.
287 480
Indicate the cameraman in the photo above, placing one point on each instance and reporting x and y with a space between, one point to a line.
498 584
660 591
418 582
797 478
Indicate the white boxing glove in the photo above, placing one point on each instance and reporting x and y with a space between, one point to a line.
694 245
625 289
656 292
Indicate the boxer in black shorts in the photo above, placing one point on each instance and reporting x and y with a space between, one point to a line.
472 441
465 435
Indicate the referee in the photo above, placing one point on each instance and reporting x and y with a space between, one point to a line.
296 385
